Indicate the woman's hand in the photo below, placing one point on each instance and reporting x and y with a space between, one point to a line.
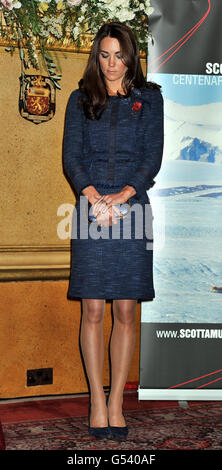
105 210
104 206
119 198
112 199
106 217
104 214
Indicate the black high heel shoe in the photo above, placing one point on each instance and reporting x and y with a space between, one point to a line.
99 433
118 432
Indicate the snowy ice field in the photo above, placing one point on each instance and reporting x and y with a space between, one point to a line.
187 207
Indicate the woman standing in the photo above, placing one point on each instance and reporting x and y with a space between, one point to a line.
113 145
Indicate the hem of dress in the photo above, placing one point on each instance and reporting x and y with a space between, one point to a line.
104 297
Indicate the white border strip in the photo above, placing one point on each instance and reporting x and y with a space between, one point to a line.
185 394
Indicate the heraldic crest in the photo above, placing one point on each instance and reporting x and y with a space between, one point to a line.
37 98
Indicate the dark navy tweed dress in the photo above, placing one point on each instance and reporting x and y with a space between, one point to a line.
124 147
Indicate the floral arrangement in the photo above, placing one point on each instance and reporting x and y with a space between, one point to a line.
38 24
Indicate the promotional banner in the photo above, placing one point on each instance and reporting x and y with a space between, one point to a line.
181 329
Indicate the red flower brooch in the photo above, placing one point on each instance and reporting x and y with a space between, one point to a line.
136 106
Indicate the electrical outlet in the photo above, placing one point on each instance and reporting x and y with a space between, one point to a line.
39 377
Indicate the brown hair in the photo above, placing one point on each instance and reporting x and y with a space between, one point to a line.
94 96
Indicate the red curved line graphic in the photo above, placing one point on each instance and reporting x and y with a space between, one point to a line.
191 31
197 378
204 385
195 26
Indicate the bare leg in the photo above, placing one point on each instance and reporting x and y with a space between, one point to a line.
92 345
121 351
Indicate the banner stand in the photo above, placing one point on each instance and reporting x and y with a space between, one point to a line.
179 395
181 329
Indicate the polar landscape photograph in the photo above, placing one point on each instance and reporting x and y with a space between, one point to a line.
186 203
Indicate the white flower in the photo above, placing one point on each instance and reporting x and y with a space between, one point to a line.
74 3
83 8
122 10
10 4
59 19
125 15
114 4
148 9
118 9
76 32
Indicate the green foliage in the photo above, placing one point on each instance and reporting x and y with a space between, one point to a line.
35 24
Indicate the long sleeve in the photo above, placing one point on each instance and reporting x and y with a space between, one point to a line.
153 147
73 145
